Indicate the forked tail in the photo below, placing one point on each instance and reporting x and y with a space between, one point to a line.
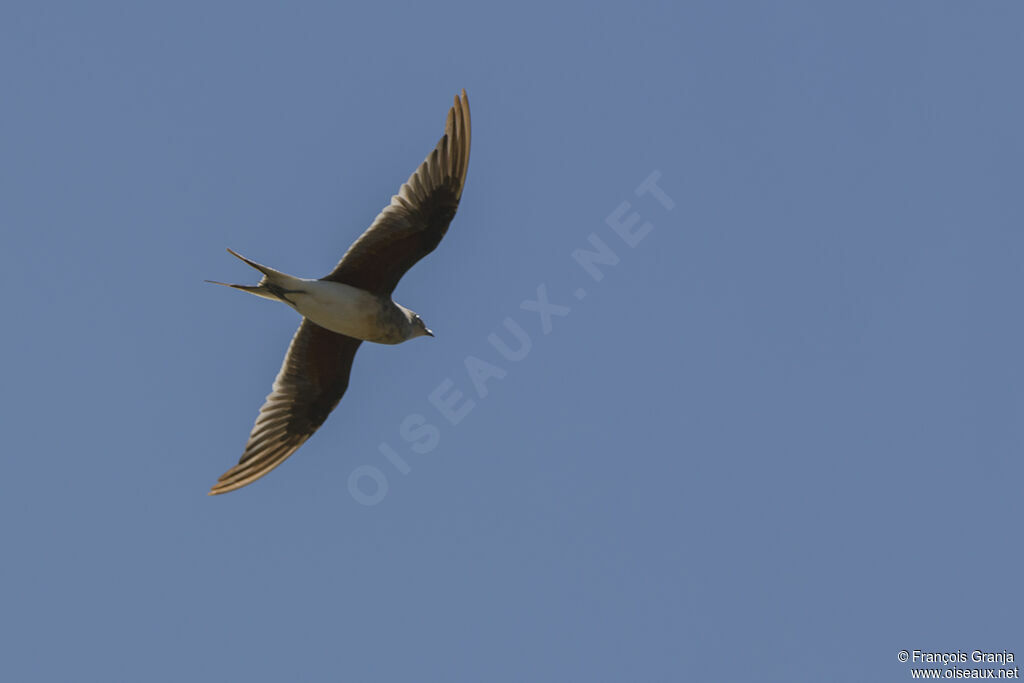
275 285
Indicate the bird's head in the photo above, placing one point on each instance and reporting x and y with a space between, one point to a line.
419 328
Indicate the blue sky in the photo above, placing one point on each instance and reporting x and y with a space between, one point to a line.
778 440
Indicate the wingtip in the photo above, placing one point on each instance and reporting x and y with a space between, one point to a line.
219 489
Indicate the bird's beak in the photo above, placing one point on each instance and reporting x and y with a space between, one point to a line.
429 333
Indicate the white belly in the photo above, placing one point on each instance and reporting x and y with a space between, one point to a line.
340 308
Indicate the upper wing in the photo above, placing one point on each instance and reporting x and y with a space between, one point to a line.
412 225
312 380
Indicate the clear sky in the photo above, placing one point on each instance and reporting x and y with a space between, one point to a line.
778 440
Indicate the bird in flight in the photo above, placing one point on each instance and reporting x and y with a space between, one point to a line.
351 304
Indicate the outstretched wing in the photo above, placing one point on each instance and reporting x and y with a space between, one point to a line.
412 225
312 379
